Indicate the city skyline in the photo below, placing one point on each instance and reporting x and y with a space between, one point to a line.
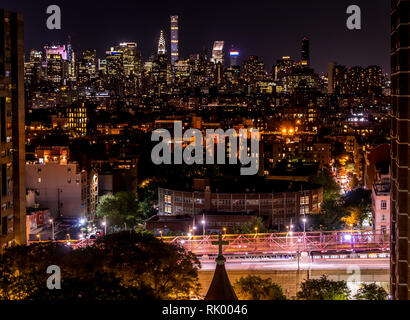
245 29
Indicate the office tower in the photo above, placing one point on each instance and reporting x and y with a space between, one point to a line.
253 70
55 68
218 73
87 68
160 70
218 52
161 44
69 50
182 72
61 50
33 69
234 55
330 77
400 148
131 59
114 62
174 40
305 52
12 135
283 67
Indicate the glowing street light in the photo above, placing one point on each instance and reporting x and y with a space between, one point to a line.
203 224
52 229
304 224
104 223
224 230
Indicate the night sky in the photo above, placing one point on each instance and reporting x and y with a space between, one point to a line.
268 29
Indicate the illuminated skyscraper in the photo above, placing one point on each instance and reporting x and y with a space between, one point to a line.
400 150
87 66
174 40
283 67
161 44
218 52
131 58
55 68
234 55
12 135
305 52
61 50
69 50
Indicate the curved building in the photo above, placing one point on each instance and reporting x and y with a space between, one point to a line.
278 202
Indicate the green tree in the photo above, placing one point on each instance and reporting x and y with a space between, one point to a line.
120 208
255 225
331 219
256 288
121 266
371 292
323 289
331 190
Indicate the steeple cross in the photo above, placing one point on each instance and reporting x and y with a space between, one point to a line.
220 243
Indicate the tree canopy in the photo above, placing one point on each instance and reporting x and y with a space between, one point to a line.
256 288
253 226
371 292
323 289
120 266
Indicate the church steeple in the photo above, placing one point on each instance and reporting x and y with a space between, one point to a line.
220 288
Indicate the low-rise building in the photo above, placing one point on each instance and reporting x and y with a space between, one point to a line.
277 202
63 188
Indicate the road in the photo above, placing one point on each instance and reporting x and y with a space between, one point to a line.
291 264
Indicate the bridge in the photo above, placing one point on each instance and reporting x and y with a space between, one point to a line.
325 242
286 243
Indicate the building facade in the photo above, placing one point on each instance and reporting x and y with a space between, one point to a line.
279 207
12 136
381 204
400 149
174 39
63 188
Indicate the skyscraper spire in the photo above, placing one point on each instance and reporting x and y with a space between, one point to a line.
161 43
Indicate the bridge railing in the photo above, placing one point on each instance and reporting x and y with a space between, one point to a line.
286 242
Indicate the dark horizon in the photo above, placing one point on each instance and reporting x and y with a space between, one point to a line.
267 29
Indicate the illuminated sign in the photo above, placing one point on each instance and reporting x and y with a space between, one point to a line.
234 53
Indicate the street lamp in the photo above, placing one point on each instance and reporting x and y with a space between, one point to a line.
52 229
304 225
160 232
104 223
224 229
203 227
256 230
38 237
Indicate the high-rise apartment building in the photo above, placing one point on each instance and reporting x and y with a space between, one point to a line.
174 39
400 150
305 52
12 135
